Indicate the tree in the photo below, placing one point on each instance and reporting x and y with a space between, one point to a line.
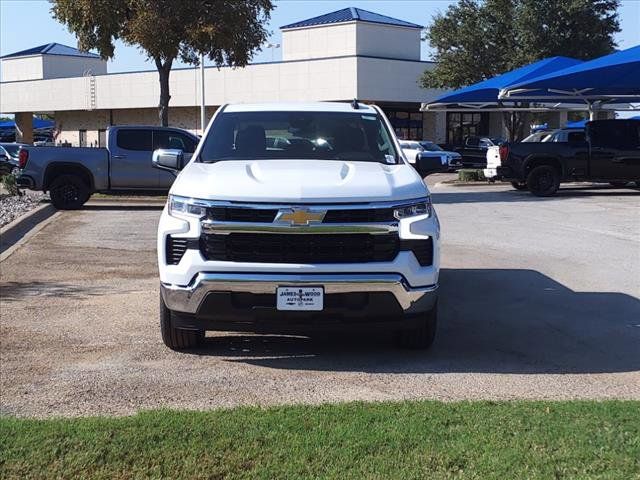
475 40
228 32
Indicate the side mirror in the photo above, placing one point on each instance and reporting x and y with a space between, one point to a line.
428 165
168 159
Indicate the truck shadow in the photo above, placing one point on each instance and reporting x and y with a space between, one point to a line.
503 196
491 321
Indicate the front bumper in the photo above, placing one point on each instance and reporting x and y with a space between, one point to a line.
191 299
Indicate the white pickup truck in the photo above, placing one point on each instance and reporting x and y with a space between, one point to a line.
298 217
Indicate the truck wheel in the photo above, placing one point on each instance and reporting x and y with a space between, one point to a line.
177 338
543 181
519 185
422 337
68 192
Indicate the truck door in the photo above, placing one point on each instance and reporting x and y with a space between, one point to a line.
131 165
175 140
615 150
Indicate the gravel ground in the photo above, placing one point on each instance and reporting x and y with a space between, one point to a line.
12 206
540 299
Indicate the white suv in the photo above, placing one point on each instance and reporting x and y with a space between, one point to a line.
297 217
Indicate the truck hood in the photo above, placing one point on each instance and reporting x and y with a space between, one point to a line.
299 181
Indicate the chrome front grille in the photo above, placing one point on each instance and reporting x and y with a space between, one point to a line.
334 214
304 234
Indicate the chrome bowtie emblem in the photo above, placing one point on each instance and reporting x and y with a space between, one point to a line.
300 216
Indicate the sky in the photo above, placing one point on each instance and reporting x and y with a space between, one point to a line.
28 23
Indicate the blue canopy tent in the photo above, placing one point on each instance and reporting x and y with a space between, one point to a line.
485 93
576 124
610 80
38 123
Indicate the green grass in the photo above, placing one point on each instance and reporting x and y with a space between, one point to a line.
421 440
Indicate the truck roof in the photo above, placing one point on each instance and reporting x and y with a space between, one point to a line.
299 107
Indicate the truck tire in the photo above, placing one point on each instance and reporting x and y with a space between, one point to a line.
68 192
543 181
422 337
177 338
519 185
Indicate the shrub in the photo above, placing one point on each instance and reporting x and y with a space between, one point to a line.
467 175
10 184
471 175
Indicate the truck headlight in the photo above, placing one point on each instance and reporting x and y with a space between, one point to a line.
185 207
419 208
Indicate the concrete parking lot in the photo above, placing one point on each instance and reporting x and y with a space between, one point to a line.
540 299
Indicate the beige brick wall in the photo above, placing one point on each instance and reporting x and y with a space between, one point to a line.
70 122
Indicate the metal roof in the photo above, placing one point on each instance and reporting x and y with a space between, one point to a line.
52 49
351 14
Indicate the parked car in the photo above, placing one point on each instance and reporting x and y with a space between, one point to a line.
72 174
431 149
573 135
9 157
411 150
267 238
474 151
610 153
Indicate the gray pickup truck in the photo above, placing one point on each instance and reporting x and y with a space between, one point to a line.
72 174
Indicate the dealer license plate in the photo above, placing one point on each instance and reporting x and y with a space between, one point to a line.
300 298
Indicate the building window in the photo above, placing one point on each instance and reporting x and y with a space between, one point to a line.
102 138
406 124
82 138
462 125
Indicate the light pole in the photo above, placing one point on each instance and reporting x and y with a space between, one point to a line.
202 105
272 46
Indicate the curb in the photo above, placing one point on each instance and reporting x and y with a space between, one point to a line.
24 227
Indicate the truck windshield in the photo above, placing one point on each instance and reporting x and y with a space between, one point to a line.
298 135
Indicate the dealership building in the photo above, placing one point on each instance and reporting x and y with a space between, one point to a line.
347 54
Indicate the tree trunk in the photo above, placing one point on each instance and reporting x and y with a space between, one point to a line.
514 122
507 118
163 107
